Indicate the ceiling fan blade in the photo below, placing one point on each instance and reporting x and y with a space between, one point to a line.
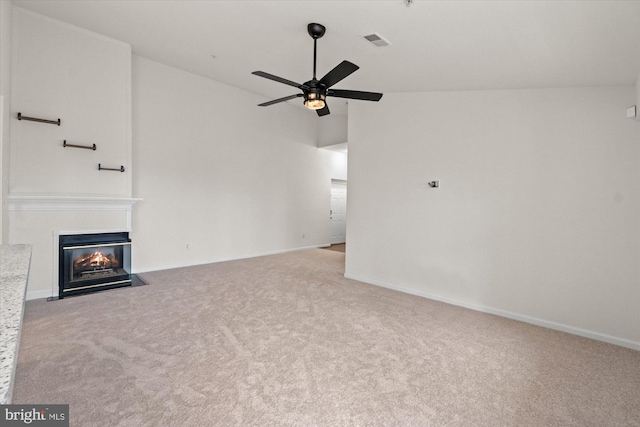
355 94
275 101
323 111
342 70
277 79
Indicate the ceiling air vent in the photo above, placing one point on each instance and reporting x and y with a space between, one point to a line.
377 40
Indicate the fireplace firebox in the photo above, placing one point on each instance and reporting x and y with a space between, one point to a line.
93 262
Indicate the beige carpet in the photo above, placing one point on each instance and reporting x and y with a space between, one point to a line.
339 247
286 340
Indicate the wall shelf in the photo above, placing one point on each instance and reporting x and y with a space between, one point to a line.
87 147
33 119
100 168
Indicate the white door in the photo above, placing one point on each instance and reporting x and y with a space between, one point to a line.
338 214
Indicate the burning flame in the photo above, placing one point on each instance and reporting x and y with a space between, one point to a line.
95 261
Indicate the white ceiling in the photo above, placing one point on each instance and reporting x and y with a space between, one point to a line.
436 45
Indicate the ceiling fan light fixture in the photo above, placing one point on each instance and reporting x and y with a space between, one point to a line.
314 101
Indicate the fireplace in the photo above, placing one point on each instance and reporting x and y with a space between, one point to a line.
93 262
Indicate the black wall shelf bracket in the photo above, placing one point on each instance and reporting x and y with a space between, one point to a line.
100 168
33 119
87 147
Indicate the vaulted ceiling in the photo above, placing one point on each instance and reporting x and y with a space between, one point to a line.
436 45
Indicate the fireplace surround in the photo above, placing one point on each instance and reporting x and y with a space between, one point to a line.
93 262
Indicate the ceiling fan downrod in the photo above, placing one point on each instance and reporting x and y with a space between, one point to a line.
316 31
315 48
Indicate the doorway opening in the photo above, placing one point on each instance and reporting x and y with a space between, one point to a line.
338 213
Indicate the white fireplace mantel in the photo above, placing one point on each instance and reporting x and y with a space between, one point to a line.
69 203
72 203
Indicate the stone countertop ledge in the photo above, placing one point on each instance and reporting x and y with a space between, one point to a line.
14 272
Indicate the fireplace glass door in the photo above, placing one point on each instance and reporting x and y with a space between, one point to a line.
88 266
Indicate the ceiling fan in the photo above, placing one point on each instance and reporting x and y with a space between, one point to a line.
316 91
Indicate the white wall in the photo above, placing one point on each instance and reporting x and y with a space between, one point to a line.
338 162
220 177
332 129
61 71
5 97
538 214
638 97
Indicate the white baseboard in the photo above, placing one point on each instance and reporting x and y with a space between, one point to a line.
634 345
38 294
254 255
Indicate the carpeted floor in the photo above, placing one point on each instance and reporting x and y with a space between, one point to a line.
286 340
339 247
